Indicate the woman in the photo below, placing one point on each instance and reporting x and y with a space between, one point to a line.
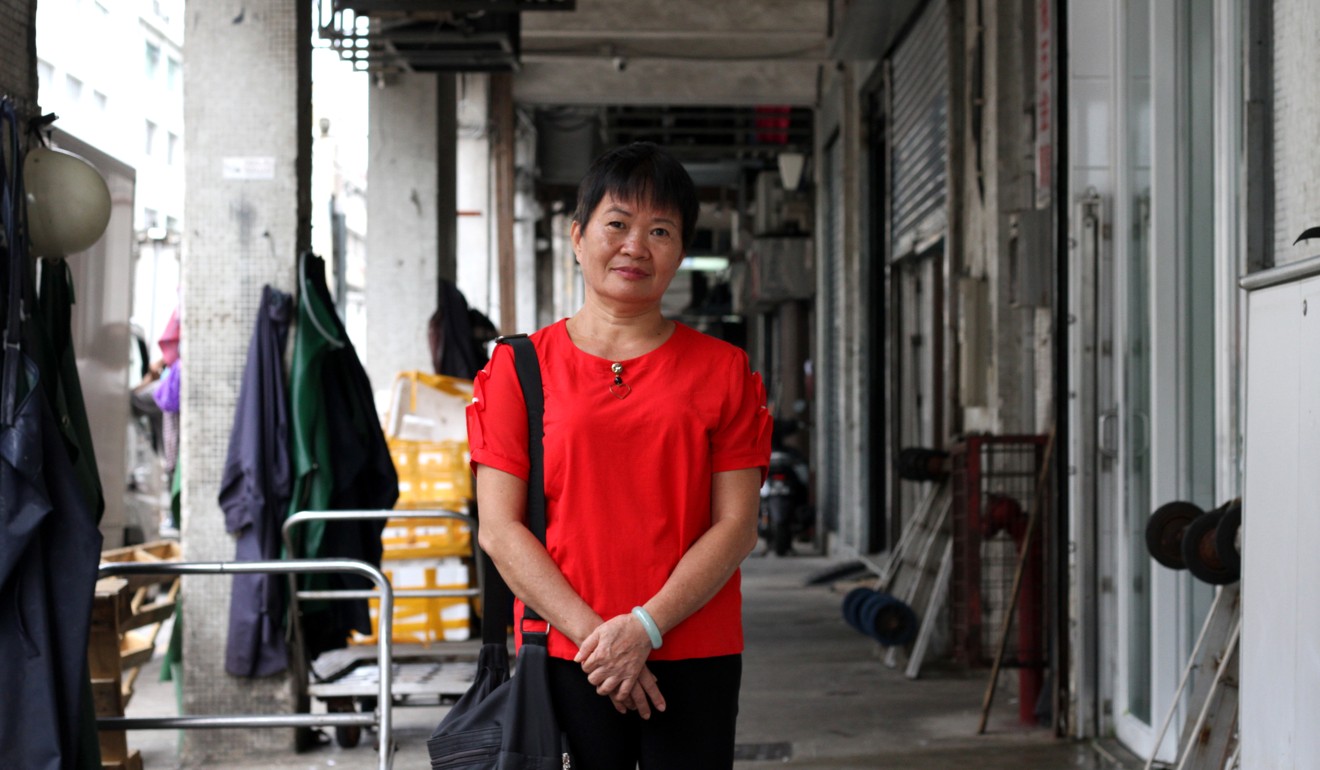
656 441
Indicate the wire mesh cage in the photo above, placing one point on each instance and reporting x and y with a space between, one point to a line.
994 481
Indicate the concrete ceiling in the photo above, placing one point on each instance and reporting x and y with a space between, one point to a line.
670 52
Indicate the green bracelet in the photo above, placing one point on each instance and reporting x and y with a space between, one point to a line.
648 622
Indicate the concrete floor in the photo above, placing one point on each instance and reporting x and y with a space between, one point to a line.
815 694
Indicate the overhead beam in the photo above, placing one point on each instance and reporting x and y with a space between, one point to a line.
567 80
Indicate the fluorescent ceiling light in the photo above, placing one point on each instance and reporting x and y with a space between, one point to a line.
704 264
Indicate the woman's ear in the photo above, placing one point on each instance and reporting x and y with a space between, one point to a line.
575 237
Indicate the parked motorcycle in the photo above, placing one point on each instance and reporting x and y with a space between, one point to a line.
785 510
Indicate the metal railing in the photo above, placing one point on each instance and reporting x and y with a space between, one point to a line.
305 517
380 718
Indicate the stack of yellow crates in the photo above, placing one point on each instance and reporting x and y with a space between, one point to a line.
426 429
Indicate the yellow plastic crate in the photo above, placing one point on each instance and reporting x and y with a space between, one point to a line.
425 539
424 620
432 474
426 429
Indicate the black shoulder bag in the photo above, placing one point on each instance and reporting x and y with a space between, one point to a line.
503 722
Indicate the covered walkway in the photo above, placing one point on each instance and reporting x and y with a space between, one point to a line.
815 694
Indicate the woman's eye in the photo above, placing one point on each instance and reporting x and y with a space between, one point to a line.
661 232
616 225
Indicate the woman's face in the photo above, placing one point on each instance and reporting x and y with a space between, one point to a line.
629 251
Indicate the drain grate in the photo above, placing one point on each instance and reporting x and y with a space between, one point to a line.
759 751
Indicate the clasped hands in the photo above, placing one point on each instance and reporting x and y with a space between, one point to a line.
614 659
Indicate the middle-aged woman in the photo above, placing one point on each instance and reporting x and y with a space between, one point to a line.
656 441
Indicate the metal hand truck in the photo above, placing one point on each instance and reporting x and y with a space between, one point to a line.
348 678
380 717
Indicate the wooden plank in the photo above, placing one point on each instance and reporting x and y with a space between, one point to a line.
134 650
157 550
110 603
103 654
106 698
156 612
132 762
114 747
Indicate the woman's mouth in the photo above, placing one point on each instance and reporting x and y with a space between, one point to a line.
631 273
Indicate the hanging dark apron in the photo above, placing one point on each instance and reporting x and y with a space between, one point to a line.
49 543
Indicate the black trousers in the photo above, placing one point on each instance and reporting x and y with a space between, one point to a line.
695 732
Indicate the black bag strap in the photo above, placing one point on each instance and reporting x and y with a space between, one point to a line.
497 599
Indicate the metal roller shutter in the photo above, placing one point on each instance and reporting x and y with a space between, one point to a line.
920 131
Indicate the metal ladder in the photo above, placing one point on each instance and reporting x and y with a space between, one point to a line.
1209 739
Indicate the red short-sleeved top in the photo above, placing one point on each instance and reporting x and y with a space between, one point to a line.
628 481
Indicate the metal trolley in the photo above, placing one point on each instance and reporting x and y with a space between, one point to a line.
349 678
380 717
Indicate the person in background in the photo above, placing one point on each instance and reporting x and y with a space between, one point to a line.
657 439
458 335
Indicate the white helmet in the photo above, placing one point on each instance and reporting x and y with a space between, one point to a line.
68 202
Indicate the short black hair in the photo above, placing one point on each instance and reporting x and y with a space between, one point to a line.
641 171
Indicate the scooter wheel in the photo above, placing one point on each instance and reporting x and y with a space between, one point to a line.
348 737
781 526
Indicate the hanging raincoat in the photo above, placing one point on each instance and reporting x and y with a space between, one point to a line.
254 494
340 458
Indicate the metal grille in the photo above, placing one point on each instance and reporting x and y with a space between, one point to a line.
994 485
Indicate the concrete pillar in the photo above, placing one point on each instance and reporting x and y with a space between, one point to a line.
402 227
502 158
18 54
446 178
477 277
247 86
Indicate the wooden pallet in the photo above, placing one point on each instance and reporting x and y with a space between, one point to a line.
127 616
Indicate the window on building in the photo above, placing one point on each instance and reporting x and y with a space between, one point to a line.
101 100
171 147
172 72
151 217
161 9
172 224
149 146
73 88
153 60
45 77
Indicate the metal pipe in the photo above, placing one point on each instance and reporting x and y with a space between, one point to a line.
384 637
419 593
1286 273
233 720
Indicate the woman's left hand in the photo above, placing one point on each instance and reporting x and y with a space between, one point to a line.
613 654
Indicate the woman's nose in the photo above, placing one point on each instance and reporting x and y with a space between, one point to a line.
634 243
